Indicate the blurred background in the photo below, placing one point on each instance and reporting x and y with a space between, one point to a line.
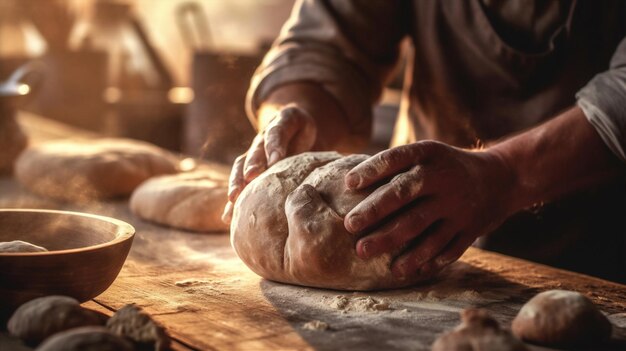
171 72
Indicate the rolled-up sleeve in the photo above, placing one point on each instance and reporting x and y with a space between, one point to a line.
348 47
603 100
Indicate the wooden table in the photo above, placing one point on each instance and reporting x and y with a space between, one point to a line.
195 285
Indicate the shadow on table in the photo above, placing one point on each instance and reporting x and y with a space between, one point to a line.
416 315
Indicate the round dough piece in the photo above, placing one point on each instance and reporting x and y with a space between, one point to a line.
478 332
81 170
192 201
287 226
20 246
86 339
37 319
561 318
134 324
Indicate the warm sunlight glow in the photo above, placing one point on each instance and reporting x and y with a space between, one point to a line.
23 89
180 95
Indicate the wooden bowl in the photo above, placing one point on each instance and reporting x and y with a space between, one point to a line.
86 253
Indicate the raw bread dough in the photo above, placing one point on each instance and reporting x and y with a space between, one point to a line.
561 318
287 226
20 246
80 170
37 319
478 332
192 200
86 339
12 140
131 322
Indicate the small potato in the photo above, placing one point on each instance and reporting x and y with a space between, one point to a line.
40 318
86 339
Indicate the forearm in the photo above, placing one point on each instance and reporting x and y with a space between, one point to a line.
561 156
333 128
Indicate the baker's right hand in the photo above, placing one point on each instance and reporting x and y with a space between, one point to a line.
291 131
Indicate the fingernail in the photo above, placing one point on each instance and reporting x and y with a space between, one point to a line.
233 193
355 222
274 157
227 215
353 180
365 249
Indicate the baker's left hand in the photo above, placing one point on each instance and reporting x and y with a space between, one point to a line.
432 201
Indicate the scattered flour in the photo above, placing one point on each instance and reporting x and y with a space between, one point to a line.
465 296
358 304
315 325
189 282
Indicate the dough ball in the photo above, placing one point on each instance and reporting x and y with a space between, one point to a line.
192 201
478 332
20 246
37 319
86 339
12 140
134 324
287 226
560 318
82 170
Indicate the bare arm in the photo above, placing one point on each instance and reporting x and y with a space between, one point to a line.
561 156
441 198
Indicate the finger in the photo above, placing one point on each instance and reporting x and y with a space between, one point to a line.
452 252
305 137
282 132
401 190
398 232
426 249
227 216
236 182
386 164
256 162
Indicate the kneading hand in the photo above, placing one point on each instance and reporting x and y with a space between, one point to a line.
432 201
291 131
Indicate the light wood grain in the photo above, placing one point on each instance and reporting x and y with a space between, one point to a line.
196 286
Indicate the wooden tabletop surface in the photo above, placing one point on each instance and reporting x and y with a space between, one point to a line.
195 285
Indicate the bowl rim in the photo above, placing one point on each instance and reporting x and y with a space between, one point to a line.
125 232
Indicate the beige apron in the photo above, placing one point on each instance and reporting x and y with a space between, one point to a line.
470 85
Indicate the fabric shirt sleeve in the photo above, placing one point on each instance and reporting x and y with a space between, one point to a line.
603 100
348 47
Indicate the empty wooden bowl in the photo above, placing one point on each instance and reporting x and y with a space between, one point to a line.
86 253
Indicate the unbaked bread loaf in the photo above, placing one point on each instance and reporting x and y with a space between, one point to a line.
191 200
80 170
40 318
20 246
288 226
478 332
560 318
